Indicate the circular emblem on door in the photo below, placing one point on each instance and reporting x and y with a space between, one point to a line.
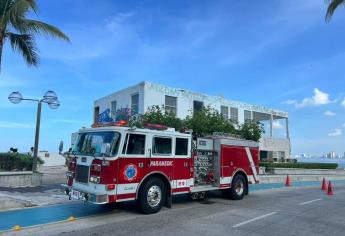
130 172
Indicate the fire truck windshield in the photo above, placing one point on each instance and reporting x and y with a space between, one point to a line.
94 143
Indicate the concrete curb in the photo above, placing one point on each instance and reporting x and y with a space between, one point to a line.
17 179
297 178
299 171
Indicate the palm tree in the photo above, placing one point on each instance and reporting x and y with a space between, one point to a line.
20 31
333 5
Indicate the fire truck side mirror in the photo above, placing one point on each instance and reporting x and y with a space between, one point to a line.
150 152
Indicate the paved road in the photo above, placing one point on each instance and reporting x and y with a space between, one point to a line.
289 211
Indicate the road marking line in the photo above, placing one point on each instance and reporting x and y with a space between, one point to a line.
311 201
254 219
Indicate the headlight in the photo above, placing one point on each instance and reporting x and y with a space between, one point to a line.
95 179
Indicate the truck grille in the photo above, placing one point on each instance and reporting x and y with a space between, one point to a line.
82 174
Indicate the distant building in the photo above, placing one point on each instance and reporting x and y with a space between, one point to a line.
331 154
183 102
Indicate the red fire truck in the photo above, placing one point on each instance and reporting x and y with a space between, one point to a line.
116 163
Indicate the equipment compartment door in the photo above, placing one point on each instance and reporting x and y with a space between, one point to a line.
231 158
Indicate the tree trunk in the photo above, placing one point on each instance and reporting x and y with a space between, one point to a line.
1 47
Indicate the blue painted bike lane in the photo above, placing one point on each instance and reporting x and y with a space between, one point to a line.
50 214
43 215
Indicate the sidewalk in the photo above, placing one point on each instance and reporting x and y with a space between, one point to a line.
49 193
28 197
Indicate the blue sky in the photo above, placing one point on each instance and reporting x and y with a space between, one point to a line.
279 54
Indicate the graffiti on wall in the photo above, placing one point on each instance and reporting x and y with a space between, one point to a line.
104 117
122 114
125 114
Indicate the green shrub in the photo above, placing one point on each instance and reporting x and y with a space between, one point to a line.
158 115
16 161
300 165
251 130
207 121
204 122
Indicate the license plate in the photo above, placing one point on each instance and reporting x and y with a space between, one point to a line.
75 194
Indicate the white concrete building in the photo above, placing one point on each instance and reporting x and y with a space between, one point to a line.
275 144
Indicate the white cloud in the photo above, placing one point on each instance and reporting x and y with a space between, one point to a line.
343 103
329 113
335 132
115 23
15 125
290 102
277 125
319 98
95 41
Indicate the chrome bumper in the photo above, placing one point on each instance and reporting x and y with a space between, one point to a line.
86 197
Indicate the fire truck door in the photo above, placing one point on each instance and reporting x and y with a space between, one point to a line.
182 162
162 158
132 163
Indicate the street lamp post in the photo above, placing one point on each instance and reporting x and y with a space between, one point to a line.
51 99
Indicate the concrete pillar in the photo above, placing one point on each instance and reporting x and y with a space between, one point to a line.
271 126
287 128
36 179
288 136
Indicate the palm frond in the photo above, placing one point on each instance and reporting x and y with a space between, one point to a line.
25 44
14 10
38 27
333 5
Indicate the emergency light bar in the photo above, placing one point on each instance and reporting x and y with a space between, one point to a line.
124 123
155 126
120 123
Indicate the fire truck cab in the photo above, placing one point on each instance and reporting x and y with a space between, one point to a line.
114 164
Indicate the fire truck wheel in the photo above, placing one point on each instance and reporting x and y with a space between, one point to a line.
238 188
152 196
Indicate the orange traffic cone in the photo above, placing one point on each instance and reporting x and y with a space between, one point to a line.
287 182
324 185
330 189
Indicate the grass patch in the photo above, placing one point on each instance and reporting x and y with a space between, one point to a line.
327 166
